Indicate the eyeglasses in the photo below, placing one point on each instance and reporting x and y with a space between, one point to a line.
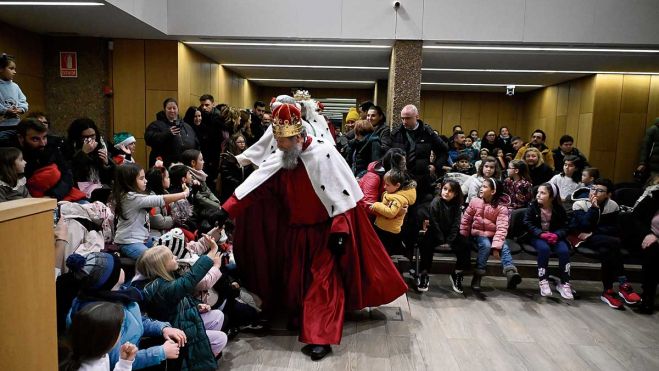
598 190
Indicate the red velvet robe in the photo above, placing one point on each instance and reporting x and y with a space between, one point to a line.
281 242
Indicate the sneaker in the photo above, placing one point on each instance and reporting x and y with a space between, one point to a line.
456 282
627 294
513 278
545 290
422 282
565 289
609 297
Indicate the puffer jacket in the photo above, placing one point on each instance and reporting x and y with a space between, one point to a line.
371 183
387 211
487 220
444 221
173 301
598 220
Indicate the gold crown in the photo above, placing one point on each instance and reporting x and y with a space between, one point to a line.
286 121
286 128
301 95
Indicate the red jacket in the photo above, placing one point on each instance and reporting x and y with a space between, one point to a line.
372 185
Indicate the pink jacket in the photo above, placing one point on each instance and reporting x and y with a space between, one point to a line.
482 219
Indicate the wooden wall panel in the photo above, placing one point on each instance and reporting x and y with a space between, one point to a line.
563 99
584 130
153 104
141 154
606 113
451 113
630 134
183 75
128 75
488 113
28 49
635 94
653 101
161 64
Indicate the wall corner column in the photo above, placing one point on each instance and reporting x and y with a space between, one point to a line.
404 78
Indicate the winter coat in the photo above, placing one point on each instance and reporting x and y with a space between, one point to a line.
371 183
417 145
362 152
50 155
231 175
533 219
204 201
602 220
88 167
486 220
166 145
173 301
444 222
387 217
644 211
9 193
473 187
540 174
505 144
650 148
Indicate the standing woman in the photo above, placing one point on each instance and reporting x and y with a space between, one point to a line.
231 173
364 149
169 136
245 127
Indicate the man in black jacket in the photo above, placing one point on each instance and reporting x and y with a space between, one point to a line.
37 153
258 129
566 148
417 140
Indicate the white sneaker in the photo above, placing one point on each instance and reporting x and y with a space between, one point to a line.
545 290
565 290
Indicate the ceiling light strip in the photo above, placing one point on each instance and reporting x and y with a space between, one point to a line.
474 84
50 3
539 49
293 45
247 65
322 81
489 70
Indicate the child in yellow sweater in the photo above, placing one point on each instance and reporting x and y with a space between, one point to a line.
388 222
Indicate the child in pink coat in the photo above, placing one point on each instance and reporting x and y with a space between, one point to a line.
486 221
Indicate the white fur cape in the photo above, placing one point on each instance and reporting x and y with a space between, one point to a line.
259 151
329 173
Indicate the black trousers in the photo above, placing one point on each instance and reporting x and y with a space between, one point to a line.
650 273
608 248
461 247
392 242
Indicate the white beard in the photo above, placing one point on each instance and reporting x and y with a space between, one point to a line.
291 157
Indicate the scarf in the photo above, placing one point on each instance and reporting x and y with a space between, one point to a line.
198 174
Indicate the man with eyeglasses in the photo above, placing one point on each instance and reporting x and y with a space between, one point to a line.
596 222
538 139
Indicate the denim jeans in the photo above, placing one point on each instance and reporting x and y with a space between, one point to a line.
544 250
135 250
484 246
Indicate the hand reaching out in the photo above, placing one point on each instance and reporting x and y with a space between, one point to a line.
127 351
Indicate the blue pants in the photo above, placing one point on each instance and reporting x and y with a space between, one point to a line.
135 250
544 249
484 246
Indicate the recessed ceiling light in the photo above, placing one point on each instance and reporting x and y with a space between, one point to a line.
303 66
323 81
489 70
470 84
293 45
539 49
51 3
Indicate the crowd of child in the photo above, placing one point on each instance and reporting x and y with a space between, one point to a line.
183 290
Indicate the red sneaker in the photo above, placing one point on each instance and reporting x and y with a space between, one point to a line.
627 293
609 297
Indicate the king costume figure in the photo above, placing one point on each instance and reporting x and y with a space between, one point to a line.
304 245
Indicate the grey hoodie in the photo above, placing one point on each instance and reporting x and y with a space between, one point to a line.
11 95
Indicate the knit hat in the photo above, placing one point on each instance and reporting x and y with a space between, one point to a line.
96 270
352 114
123 138
175 241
